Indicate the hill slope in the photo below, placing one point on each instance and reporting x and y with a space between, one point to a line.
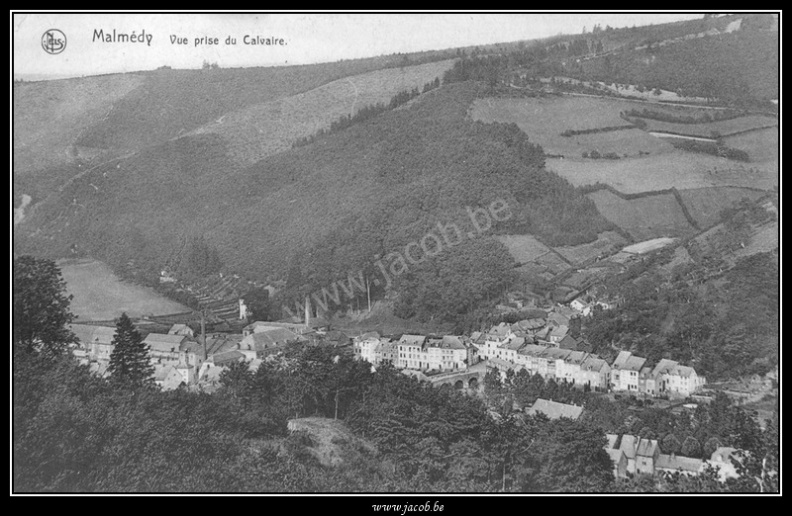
327 208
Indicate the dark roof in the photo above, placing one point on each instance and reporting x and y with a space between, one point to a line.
164 343
227 357
272 338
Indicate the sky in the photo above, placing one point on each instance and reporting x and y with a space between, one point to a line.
308 38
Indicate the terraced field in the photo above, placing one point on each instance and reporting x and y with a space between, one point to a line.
645 218
544 119
261 130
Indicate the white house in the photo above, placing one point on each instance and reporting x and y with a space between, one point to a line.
625 372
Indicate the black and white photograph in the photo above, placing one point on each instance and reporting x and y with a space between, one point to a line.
400 257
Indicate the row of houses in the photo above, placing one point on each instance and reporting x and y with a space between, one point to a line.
180 358
417 352
633 455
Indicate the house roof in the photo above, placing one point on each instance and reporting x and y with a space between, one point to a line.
161 373
615 455
628 445
475 335
177 328
227 357
164 343
575 357
449 342
413 340
500 330
647 447
676 462
612 438
568 342
272 338
684 371
532 350
555 410
559 331
556 353
514 344
664 366
626 361
593 363
372 335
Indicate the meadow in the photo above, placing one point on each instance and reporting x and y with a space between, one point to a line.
544 119
679 169
644 218
705 204
761 146
524 248
605 244
99 295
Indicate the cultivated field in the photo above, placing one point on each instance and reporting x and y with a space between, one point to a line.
100 295
645 218
605 244
260 130
761 146
724 127
544 119
523 248
705 204
678 169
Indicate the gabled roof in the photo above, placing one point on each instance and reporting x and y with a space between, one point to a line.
626 361
451 342
475 335
559 331
647 447
501 330
555 410
412 340
612 438
177 328
164 343
514 344
593 363
628 445
568 342
501 364
684 371
664 366
575 357
372 335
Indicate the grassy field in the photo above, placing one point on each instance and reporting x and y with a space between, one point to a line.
100 295
524 248
645 218
544 119
724 127
264 129
683 170
606 242
761 146
705 204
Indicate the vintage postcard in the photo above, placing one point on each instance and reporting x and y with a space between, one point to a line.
406 252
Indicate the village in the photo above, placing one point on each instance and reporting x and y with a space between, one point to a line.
541 344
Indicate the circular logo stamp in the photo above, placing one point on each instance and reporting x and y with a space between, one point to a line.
53 41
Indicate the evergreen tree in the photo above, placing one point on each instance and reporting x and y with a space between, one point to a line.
129 363
41 307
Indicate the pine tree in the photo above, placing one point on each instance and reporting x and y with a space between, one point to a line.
129 362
